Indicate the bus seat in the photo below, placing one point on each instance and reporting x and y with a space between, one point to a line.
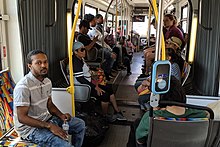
8 135
63 66
92 54
191 133
82 91
215 134
62 99
185 72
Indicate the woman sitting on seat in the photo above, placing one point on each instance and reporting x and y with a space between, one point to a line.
103 93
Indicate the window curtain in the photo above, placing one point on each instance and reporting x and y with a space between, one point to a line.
207 54
35 18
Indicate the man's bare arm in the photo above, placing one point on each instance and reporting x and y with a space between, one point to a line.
22 112
53 109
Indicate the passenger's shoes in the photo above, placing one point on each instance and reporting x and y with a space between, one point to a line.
128 74
119 116
110 118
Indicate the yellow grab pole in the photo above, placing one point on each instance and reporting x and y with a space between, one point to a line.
116 20
154 3
70 89
149 24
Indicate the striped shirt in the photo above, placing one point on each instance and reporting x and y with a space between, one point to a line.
33 93
175 71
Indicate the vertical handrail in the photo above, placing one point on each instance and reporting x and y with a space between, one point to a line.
103 32
70 89
159 40
55 15
159 31
116 21
149 24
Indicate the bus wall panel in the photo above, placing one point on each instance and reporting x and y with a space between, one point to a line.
35 18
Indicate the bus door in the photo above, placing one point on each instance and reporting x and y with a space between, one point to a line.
3 47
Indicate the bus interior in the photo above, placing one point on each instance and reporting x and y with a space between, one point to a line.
47 25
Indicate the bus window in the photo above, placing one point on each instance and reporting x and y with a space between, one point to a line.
80 16
102 13
184 15
90 10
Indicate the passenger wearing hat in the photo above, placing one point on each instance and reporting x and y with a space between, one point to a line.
82 75
175 43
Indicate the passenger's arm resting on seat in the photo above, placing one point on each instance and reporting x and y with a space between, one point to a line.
142 129
22 112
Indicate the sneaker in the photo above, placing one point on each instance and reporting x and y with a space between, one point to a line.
110 118
120 116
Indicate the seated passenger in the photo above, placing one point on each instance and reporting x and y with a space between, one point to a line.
174 43
36 118
89 44
126 58
176 94
104 93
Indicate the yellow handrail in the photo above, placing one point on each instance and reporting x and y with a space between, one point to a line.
116 20
70 89
154 3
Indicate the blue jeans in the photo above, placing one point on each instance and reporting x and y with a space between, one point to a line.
45 138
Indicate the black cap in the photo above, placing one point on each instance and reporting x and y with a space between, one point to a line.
84 23
89 17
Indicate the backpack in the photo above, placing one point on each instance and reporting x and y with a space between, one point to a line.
96 128
96 125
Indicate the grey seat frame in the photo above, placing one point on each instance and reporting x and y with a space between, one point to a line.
168 133
82 91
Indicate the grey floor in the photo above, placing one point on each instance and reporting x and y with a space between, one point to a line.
126 96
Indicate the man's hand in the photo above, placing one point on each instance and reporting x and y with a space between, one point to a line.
56 130
96 38
113 55
65 117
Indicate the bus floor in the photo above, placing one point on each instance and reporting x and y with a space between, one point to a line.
126 96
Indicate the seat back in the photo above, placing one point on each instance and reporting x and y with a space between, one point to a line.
185 72
192 133
92 54
215 134
168 133
63 66
62 99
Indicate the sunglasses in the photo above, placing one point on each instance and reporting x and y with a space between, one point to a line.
82 49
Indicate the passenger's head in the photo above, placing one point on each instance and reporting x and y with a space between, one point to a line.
176 92
99 19
108 30
37 63
91 19
153 22
122 40
169 20
171 55
174 43
84 27
79 50
129 38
